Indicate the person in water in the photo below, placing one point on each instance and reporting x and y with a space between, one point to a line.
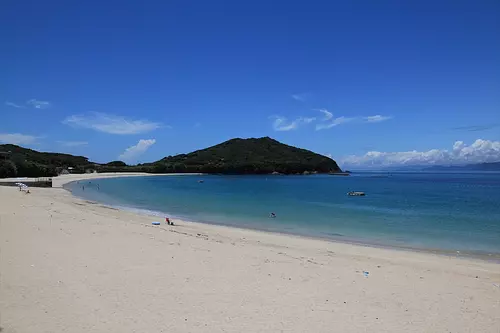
272 215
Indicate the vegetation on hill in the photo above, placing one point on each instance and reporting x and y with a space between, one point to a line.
248 156
236 156
117 164
22 162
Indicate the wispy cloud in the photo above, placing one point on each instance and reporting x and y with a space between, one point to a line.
282 124
34 103
334 122
17 138
302 97
197 125
37 104
14 105
111 124
133 152
478 152
376 119
328 121
328 114
72 143
476 128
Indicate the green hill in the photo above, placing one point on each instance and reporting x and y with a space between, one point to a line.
248 156
24 162
236 156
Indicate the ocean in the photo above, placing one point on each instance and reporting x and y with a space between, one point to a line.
446 212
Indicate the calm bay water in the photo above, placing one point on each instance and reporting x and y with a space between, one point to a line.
449 212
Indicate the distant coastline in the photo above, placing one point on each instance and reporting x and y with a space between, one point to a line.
493 166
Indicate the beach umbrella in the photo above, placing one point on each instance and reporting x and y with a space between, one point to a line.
23 186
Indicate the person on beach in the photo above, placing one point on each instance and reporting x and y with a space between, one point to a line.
168 221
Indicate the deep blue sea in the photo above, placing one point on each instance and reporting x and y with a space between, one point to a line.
431 211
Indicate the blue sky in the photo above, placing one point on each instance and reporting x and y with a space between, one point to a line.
367 82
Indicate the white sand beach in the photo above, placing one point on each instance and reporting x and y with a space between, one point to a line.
69 265
59 181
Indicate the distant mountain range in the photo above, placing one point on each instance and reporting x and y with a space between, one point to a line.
493 166
235 156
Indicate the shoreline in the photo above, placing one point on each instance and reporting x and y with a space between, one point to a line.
475 255
62 180
472 255
68 264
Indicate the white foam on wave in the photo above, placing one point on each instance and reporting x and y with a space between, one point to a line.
149 212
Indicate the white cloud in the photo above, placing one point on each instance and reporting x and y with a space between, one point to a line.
326 122
282 124
476 128
329 121
376 119
111 124
17 139
478 152
72 143
334 122
14 105
301 97
328 115
38 104
131 153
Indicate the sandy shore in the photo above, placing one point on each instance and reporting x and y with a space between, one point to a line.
68 265
59 181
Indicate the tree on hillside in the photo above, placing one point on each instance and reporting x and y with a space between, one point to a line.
7 169
117 164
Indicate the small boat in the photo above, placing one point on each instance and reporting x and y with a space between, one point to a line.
356 194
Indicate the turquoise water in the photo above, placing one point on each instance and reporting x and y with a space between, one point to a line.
449 212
